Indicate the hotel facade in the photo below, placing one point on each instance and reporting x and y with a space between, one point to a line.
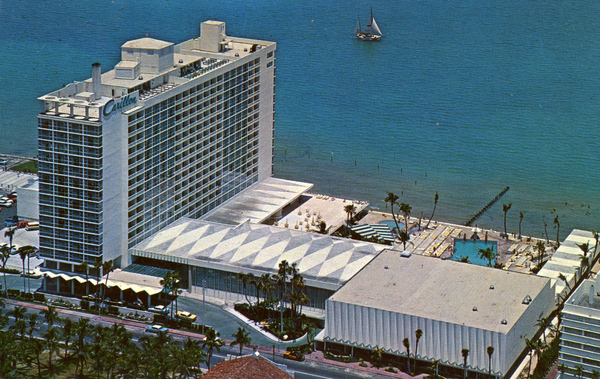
172 131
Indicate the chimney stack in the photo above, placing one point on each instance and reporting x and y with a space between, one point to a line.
591 299
96 80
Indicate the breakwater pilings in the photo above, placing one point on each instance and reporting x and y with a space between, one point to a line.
498 196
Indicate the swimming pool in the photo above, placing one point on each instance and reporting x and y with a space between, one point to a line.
391 224
470 249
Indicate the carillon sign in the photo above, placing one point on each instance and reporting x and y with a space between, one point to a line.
120 104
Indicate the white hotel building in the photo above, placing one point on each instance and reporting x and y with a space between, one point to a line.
580 339
172 131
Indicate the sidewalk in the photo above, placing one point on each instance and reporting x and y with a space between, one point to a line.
317 356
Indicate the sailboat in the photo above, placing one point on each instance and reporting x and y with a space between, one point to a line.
371 32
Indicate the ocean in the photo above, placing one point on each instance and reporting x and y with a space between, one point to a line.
463 98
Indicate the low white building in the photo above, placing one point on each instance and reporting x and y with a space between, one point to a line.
566 260
580 341
456 305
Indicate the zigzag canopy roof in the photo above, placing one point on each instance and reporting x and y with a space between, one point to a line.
259 247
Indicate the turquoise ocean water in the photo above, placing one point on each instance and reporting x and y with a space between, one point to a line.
464 98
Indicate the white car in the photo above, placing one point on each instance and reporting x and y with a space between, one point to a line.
6 203
160 309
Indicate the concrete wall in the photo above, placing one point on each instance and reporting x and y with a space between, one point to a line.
368 327
267 93
115 186
28 203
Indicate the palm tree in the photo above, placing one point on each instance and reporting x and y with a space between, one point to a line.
434 206
242 337
5 251
50 315
532 346
418 335
212 342
505 209
406 344
557 226
564 279
541 249
82 330
585 264
26 252
258 286
51 337
465 355
171 284
585 248
520 221
86 268
107 268
350 210
281 279
405 209
546 229
596 238
245 278
594 374
376 356
66 333
579 371
404 237
20 324
97 266
487 253
392 199
9 233
544 324
32 325
562 368
490 351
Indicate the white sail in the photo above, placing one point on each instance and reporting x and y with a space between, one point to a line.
375 29
357 30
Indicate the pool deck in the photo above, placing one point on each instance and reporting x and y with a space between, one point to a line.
438 241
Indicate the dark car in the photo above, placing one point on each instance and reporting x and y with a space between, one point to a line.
111 301
136 305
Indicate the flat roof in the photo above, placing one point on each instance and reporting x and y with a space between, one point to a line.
146 43
321 259
442 290
258 202
567 258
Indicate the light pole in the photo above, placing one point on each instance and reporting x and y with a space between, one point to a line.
203 302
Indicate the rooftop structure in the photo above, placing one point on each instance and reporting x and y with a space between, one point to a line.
567 260
215 251
580 339
247 367
174 130
457 305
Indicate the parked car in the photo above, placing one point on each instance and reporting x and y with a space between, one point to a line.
186 316
6 203
32 225
111 301
22 224
160 309
156 329
91 297
294 356
136 305
11 221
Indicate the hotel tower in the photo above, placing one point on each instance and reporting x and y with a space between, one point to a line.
172 131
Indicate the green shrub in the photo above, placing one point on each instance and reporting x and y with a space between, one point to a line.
37 296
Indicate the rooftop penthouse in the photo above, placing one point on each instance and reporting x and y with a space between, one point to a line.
148 68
